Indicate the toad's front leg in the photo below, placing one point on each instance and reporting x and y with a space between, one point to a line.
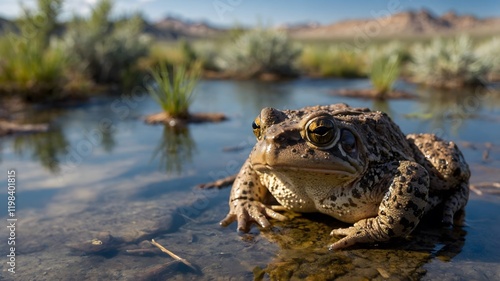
399 212
247 201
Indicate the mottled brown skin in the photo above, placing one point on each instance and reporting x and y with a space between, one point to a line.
352 164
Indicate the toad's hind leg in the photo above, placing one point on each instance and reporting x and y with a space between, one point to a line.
399 212
448 173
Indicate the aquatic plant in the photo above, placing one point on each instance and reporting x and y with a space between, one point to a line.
260 51
173 90
103 49
332 61
384 71
448 63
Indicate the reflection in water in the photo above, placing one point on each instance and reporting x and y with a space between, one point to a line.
48 148
259 94
450 109
52 149
382 105
294 249
108 141
175 149
303 245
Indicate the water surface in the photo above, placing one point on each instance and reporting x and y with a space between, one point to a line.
101 172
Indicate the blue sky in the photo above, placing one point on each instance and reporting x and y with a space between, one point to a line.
270 12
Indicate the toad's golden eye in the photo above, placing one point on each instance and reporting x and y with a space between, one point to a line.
256 128
320 132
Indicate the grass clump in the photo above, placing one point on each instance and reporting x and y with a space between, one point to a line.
173 90
384 71
447 63
259 52
332 61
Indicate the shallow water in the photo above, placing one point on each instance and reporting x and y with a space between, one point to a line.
101 173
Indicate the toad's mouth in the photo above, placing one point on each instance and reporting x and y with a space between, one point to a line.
331 170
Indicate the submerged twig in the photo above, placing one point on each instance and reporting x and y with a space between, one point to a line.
475 190
486 152
8 128
218 183
174 256
475 187
143 252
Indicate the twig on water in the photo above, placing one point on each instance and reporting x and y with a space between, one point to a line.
475 187
174 256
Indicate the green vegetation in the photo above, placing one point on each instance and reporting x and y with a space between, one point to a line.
384 72
37 65
30 71
102 49
332 61
173 90
447 63
259 52
173 53
45 60
489 53
30 66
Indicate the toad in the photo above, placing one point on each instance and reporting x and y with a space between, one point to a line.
353 164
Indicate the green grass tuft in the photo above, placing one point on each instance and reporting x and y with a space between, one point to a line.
173 90
384 72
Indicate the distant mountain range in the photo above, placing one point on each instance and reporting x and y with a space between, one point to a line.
405 24
420 23
171 28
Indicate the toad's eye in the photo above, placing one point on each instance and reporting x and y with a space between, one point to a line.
348 141
320 132
256 128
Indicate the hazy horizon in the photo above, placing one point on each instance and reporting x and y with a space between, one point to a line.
249 13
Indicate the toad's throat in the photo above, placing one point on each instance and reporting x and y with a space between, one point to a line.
333 170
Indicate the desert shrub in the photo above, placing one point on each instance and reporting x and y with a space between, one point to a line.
173 90
489 54
39 24
447 63
332 61
29 70
32 65
207 53
260 51
173 53
103 49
